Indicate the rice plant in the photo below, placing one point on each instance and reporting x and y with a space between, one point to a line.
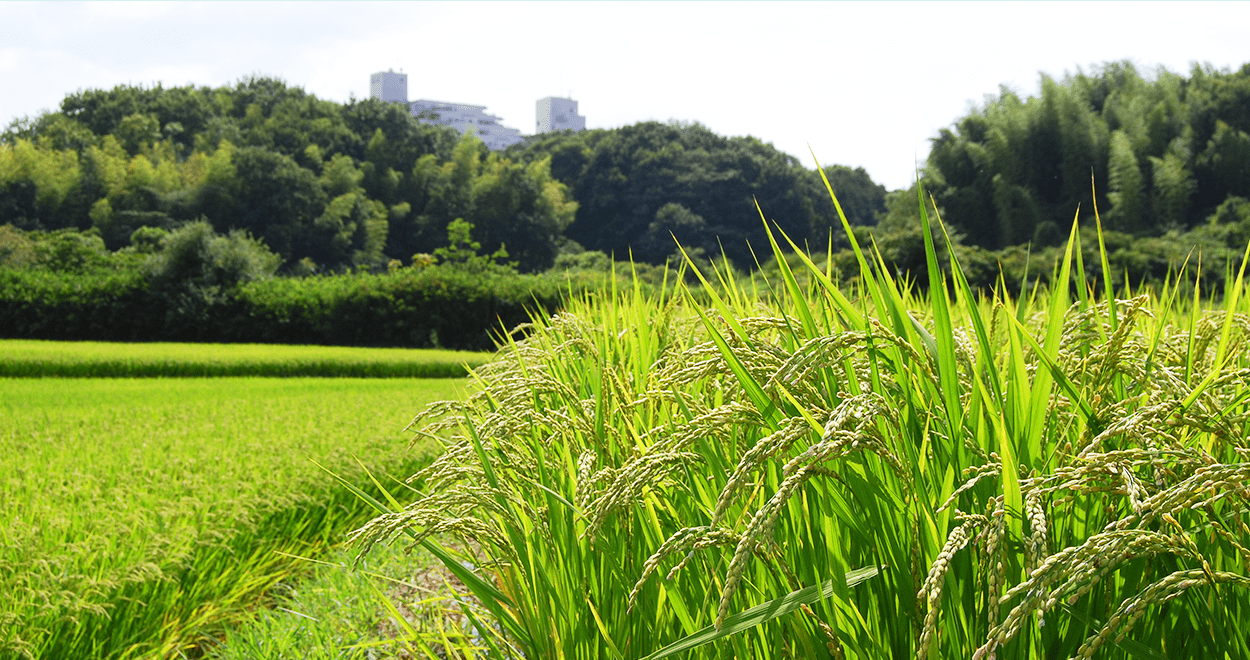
795 469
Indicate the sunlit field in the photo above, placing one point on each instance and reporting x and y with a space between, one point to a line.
34 358
140 516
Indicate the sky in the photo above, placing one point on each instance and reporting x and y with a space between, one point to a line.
860 84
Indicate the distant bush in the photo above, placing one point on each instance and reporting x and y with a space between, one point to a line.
48 305
192 284
436 307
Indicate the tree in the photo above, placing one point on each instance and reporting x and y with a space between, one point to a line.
1160 151
48 175
465 253
861 198
635 170
275 199
521 208
196 270
1173 187
406 139
1126 185
194 255
137 132
1223 167
352 229
674 225
510 204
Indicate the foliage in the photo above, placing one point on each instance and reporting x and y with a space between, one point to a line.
1166 152
194 256
436 307
462 250
862 200
629 182
351 612
339 185
441 306
192 284
513 206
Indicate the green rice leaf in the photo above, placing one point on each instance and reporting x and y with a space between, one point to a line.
763 403
764 613
944 345
796 293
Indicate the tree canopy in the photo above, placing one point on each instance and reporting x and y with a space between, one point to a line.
330 186
1163 152
637 187
322 183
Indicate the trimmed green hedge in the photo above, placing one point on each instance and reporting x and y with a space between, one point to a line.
430 308
436 307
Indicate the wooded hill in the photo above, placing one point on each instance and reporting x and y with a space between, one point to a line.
329 185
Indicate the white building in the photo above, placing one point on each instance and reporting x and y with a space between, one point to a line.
461 116
389 86
553 113
556 114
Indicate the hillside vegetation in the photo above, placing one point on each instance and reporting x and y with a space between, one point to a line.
329 185
200 214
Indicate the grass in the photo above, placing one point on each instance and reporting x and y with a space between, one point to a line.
348 611
141 516
798 470
23 358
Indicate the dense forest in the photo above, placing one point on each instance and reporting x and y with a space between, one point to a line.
331 187
1165 154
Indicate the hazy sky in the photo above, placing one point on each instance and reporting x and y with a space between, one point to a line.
865 84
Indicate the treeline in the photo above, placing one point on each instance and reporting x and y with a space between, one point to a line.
325 185
338 188
1167 154
330 186
193 284
638 187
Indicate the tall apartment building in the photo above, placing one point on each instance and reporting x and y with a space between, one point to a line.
461 116
556 114
553 113
389 86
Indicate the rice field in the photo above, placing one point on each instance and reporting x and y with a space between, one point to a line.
24 358
803 470
141 517
786 468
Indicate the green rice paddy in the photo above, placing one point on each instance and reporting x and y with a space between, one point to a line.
23 358
140 517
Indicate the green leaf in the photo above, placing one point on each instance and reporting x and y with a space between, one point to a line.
763 613
766 406
944 346
792 285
